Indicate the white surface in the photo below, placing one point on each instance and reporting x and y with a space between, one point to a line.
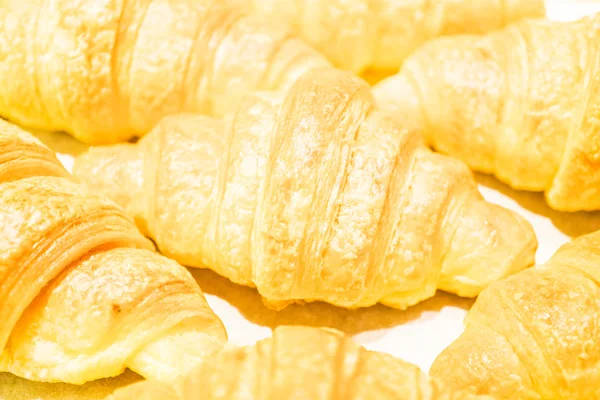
420 333
566 10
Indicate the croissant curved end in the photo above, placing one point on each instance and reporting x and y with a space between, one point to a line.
494 372
172 356
533 335
84 295
494 244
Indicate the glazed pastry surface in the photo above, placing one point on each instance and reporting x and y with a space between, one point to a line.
83 295
300 363
534 335
313 194
521 103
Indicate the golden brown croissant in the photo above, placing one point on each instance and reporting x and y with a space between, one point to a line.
380 34
535 334
313 194
521 103
299 363
82 296
106 71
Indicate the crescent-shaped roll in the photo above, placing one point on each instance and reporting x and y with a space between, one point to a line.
297 363
82 293
313 194
109 70
522 103
534 335
380 34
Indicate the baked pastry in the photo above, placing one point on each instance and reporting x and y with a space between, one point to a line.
534 335
82 293
299 363
313 194
108 71
521 103
380 34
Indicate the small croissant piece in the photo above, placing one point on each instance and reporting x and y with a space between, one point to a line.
106 71
313 194
82 293
299 363
522 103
380 34
535 334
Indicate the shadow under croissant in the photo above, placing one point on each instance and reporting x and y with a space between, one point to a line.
60 142
249 303
372 77
15 388
572 224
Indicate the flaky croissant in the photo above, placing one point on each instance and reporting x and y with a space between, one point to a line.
380 34
535 334
82 294
106 71
299 363
522 103
313 194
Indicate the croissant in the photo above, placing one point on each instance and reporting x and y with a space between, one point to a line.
535 334
107 71
82 293
521 103
299 362
313 194
362 34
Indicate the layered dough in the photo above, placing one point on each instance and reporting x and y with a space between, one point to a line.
521 103
313 194
109 72
82 293
534 335
300 363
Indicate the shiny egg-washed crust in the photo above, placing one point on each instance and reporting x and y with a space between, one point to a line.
82 293
534 335
522 103
111 71
299 363
380 34
313 194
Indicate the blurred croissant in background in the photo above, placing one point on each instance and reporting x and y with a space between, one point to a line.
82 293
109 71
299 363
522 103
379 34
313 194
